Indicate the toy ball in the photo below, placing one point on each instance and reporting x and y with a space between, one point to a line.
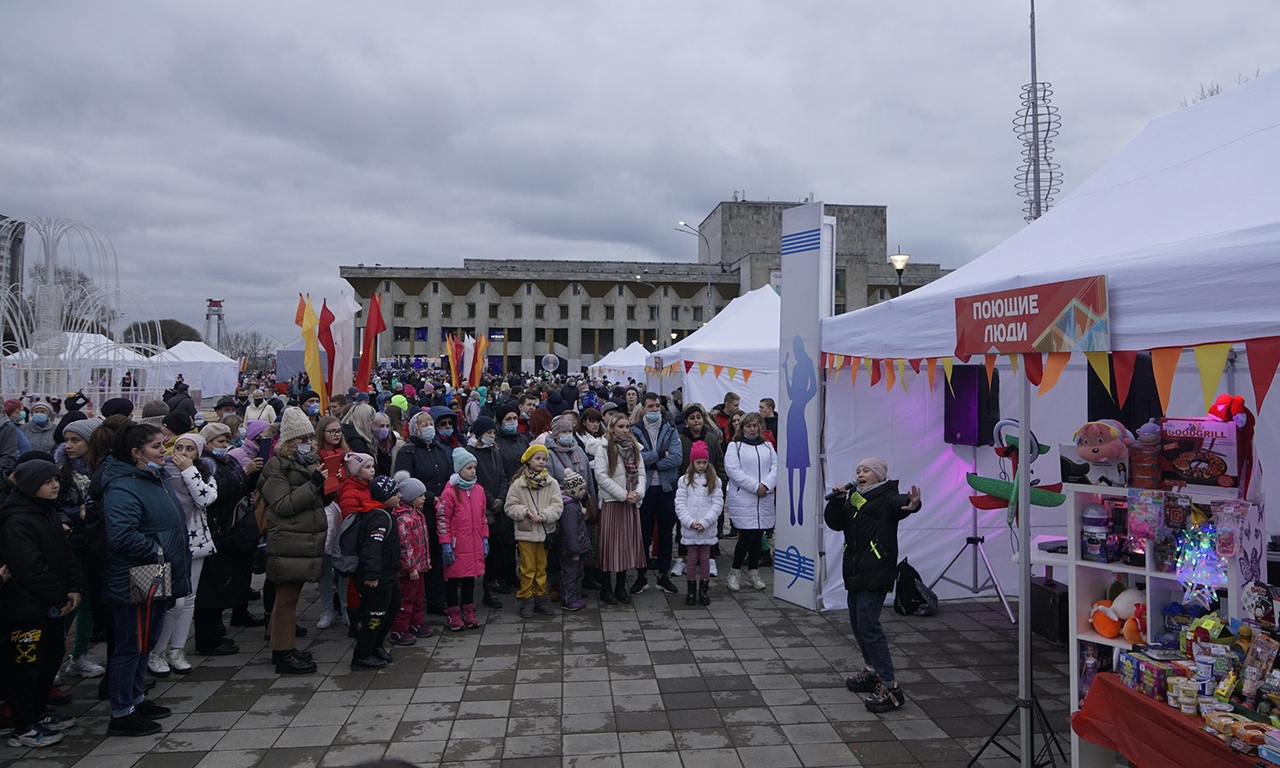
1126 604
1104 619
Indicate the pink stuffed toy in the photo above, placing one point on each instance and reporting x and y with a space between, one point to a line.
1103 442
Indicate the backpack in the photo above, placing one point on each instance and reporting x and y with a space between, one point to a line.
910 596
346 555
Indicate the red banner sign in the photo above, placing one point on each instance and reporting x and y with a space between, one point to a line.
1071 316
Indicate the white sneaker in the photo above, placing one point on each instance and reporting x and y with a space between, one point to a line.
84 666
753 576
733 580
157 664
346 620
177 661
678 570
714 571
326 620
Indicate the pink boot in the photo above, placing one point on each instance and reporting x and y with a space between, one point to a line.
469 616
452 619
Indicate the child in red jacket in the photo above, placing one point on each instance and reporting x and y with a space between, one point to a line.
464 540
415 561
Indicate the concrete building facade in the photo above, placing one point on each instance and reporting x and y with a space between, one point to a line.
580 311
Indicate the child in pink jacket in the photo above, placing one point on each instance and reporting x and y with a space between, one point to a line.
415 561
464 540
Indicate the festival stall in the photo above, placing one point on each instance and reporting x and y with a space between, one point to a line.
622 364
83 361
206 370
736 352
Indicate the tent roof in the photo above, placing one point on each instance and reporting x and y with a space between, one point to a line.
194 352
90 347
1183 221
749 322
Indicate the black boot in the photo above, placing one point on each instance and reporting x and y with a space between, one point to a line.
288 663
606 591
620 588
704 587
592 580
353 619
488 598
692 597
242 618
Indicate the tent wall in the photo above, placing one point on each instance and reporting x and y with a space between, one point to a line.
709 389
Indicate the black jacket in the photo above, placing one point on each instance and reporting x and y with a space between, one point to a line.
379 548
870 535
35 548
429 462
512 447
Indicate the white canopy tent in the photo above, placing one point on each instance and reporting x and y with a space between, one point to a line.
737 351
1185 225
622 364
85 360
206 370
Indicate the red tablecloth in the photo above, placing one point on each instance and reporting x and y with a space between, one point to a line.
1150 733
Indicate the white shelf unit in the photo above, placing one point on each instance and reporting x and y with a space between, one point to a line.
1088 583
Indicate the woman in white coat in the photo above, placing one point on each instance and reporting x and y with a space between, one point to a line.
752 467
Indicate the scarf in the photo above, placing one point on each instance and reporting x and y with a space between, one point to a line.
625 450
757 440
536 481
457 480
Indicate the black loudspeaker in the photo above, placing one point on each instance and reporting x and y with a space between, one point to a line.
1049 609
971 413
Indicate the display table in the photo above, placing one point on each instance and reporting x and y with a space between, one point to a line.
1148 732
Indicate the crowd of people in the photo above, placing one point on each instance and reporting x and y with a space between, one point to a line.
406 501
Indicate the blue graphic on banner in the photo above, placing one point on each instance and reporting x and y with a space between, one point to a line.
799 242
792 563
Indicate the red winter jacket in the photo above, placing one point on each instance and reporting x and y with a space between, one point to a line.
353 496
461 523
415 554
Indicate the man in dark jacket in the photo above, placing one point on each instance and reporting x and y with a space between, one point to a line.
45 587
377 575
511 443
484 446
868 514
181 402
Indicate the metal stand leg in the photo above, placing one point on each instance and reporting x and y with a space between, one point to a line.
1045 755
992 582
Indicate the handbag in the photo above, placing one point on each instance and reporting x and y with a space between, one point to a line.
152 582
590 509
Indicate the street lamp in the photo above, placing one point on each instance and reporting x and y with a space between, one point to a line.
899 261
688 230
657 331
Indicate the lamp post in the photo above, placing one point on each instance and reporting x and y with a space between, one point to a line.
688 230
899 261
657 329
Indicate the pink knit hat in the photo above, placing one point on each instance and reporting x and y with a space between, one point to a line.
355 462
879 468
698 450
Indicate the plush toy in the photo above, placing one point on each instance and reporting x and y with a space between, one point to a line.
1126 604
1135 627
1103 442
1144 457
1149 433
1104 619
1232 408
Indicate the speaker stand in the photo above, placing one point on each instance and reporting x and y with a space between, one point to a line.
974 586
1040 722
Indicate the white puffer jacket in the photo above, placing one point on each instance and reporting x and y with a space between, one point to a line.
695 505
613 487
749 466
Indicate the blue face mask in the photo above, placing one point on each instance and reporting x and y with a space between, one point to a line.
384 433
565 439
219 451
313 409
653 416
154 466
510 429
40 419
446 433
429 433
487 442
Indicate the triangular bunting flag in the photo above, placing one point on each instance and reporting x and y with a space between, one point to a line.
746 375
732 372
902 373
835 375
989 361
875 371
854 364
1264 356
932 364
947 364
702 368
824 361
890 375
1211 359
1034 364
1122 363
688 365
915 363
1164 363
717 369
1052 370
866 363
1100 362
1013 362
837 361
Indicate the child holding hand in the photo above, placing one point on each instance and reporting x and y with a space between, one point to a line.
534 503
699 502
415 560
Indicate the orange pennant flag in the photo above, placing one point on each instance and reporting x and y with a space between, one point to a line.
746 375
1164 363
718 369
1053 368
854 364
890 375
990 362
301 311
933 369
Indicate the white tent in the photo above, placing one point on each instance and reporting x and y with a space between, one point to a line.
736 352
204 368
1185 225
622 363
87 357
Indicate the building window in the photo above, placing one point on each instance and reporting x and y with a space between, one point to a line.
586 311
528 289
386 286
397 309
576 289
446 310
493 311
608 313
482 289
653 313
675 314
424 309
471 311
538 313
435 286
697 314
631 313
564 312
620 293
666 291
519 311
402 333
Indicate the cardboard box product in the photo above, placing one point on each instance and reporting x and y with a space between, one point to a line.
1129 667
1153 677
1199 451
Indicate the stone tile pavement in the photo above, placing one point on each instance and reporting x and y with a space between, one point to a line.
750 681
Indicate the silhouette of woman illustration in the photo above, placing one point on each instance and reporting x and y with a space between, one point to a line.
802 386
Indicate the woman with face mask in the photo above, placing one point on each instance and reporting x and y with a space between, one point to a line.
357 428
39 428
386 443
258 409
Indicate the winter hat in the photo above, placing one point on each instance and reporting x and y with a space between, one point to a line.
461 458
153 408
30 475
482 425
561 424
76 401
355 462
178 423
573 480
501 413
608 406
294 424
382 488
307 394
48 409
255 427
879 468
531 451
410 487
198 440
181 386
120 405
698 450
400 401
213 429
82 428
12 406
439 412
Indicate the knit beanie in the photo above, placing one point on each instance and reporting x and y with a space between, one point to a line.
178 423
382 488
461 458
400 401
531 451
154 408
307 394
501 413
12 406
561 424
294 424
410 487
30 475
482 425
120 405
213 429
81 428
355 462
698 450
196 439
573 480
879 468
255 427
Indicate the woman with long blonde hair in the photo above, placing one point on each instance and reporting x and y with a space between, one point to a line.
620 480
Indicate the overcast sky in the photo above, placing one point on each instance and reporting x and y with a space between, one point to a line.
245 150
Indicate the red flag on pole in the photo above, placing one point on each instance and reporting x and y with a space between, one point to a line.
324 333
373 325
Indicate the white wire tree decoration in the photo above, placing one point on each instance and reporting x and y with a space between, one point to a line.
70 328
